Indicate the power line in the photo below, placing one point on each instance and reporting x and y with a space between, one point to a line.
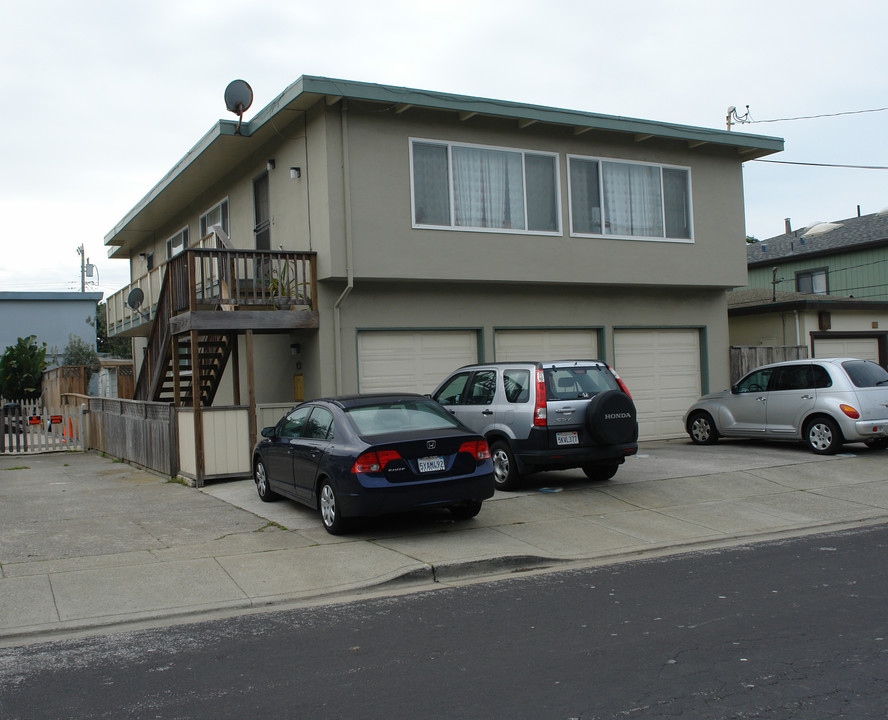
814 117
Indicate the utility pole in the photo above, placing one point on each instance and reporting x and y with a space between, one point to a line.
81 252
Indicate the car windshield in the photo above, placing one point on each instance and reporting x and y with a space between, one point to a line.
864 373
568 383
387 417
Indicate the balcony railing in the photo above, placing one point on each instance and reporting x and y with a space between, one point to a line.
210 278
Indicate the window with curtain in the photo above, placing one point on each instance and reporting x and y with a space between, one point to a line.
634 200
479 188
812 282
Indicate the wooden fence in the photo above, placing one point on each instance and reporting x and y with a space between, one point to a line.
29 426
748 357
155 435
144 433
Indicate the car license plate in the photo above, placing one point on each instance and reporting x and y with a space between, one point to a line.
431 464
567 438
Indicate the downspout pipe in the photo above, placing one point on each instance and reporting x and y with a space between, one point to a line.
349 251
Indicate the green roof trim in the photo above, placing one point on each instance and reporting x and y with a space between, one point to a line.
309 89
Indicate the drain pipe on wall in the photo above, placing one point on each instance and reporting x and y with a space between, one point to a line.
350 276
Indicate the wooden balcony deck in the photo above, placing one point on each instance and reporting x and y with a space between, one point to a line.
244 284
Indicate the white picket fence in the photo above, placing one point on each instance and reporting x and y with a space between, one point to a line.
28 426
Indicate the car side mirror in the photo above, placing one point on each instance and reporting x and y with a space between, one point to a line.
268 431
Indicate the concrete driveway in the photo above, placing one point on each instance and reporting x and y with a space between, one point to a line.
88 542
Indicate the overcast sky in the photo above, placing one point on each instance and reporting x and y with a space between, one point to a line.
102 98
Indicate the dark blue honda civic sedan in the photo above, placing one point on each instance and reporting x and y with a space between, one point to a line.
363 455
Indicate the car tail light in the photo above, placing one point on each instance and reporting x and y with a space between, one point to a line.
620 381
374 461
479 449
539 410
849 411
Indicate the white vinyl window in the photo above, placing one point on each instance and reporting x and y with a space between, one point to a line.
473 187
812 282
177 243
216 215
629 199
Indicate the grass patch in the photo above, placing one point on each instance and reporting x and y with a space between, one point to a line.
18 467
271 524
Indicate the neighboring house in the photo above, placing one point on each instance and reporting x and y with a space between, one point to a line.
51 316
825 287
426 231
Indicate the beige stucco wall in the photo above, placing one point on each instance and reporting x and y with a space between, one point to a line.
781 329
387 246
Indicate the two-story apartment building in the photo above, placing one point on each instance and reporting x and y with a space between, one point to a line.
427 230
824 286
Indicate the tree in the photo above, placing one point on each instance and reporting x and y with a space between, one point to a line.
21 369
80 353
118 347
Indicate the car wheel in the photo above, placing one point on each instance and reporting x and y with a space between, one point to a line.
823 436
600 472
505 470
467 510
877 443
701 428
266 494
328 505
610 417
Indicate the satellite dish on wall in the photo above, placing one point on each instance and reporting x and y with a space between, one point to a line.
238 98
135 298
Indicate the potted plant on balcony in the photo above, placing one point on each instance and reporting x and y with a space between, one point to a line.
283 290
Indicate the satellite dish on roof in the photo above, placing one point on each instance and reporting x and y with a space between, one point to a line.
238 98
135 298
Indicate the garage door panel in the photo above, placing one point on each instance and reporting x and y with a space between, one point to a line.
545 345
662 371
863 348
412 361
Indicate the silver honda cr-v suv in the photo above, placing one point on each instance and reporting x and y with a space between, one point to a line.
545 415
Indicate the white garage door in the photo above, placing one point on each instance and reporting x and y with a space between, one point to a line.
394 361
863 348
544 345
662 371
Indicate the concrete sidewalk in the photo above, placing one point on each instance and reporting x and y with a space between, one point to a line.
87 542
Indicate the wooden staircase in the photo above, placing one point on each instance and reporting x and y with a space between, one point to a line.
207 298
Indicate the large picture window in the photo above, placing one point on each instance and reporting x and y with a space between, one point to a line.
481 188
632 200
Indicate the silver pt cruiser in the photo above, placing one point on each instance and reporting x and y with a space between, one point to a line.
821 402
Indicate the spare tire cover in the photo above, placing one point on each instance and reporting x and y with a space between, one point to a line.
610 417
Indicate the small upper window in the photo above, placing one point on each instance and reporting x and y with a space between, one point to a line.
216 215
812 282
177 243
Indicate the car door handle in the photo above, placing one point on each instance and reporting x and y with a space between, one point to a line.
487 412
807 397
565 410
